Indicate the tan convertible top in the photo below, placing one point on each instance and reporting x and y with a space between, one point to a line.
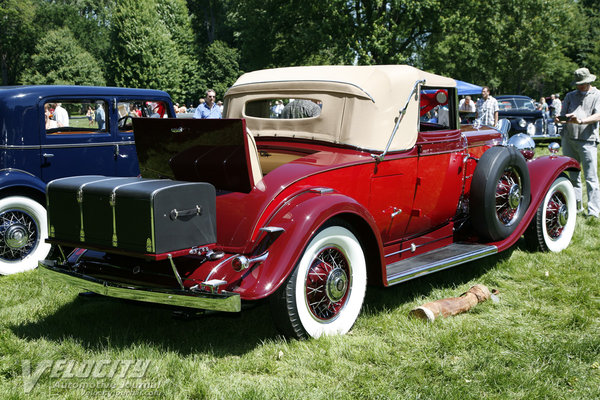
359 103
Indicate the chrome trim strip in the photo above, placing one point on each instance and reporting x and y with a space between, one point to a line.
174 268
441 264
63 145
224 301
219 265
321 190
17 170
416 246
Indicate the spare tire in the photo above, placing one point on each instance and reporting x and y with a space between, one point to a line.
500 193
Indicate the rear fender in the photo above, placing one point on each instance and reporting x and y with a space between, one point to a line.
14 182
301 218
543 171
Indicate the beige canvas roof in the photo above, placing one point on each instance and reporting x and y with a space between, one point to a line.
360 104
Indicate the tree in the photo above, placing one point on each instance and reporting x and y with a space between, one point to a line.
221 64
89 21
143 53
272 33
512 47
389 32
211 20
586 50
17 37
72 65
175 16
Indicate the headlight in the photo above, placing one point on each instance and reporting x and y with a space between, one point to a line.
530 129
522 123
523 143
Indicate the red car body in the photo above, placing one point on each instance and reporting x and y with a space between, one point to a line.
410 210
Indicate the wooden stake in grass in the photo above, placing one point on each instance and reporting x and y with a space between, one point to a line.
454 305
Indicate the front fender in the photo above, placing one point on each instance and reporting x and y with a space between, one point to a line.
11 179
543 171
301 218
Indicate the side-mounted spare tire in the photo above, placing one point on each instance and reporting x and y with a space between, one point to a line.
500 193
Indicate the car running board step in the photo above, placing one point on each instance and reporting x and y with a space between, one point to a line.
436 260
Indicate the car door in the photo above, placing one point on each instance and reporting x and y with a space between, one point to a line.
440 167
76 137
392 192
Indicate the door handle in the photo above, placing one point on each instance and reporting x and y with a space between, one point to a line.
118 152
47 155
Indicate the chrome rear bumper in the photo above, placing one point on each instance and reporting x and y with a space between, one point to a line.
224 301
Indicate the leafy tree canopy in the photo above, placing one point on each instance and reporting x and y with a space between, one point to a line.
72 65
184 46
143 53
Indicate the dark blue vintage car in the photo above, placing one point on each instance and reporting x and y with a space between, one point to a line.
525 118
49 132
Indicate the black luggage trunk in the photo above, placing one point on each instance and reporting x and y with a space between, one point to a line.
131 214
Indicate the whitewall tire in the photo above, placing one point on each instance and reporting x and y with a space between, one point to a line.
554 223
23 231
325 293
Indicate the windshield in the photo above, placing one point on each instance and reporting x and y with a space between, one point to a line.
516 104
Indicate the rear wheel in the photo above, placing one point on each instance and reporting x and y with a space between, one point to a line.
554 223
23 229
324 294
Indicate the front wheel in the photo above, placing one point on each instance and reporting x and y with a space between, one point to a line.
554 223
324 294
23 229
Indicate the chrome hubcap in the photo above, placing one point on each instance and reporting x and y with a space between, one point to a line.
514 196
16 236
563 215
508 196
337 283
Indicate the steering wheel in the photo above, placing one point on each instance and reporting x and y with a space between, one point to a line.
122 122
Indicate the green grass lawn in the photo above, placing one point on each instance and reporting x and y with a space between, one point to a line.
540 341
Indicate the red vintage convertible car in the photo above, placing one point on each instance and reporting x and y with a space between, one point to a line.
365 175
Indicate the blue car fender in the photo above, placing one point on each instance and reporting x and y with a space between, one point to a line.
18 182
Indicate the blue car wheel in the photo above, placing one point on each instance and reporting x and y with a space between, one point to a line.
23 230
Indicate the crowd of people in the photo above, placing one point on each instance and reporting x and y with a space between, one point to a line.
208 107
552 108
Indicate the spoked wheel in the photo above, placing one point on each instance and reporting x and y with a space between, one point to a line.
499 192
23 229
554 223
324 294
326 284
508 196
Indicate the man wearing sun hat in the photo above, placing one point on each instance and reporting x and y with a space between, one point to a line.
580 137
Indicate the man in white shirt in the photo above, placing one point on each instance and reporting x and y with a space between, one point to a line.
466 105
61 115
487 108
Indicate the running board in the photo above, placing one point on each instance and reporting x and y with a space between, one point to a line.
436 260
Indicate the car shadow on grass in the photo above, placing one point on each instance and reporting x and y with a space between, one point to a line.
97 323
379 299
